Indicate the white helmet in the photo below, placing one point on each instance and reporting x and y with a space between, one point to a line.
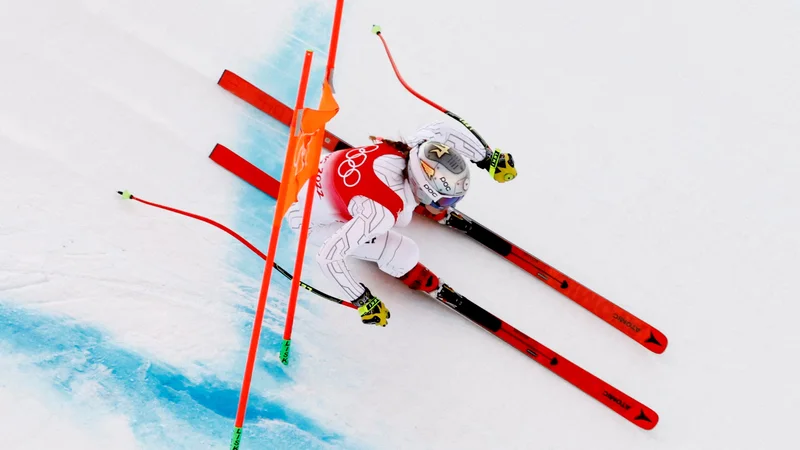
438 174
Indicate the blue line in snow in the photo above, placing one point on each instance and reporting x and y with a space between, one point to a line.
165 407
68 355
264 144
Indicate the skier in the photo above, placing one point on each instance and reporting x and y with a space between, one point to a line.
362 194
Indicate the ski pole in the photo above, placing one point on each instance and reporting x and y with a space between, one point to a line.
281 270
495 154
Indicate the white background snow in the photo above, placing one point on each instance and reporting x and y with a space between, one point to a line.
657 145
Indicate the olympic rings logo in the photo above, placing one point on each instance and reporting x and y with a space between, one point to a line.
353 159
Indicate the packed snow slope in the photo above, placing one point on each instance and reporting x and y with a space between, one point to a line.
657 147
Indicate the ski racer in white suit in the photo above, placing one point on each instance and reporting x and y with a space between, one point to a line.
362 194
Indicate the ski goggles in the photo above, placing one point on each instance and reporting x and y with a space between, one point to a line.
446 202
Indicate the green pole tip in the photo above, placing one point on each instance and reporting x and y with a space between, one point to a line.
285 351
125 194
236 439
376 29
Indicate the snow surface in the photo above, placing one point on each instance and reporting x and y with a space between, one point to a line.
657 144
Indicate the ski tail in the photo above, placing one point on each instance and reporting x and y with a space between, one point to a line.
269 105
245 170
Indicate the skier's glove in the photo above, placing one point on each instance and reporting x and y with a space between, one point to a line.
505 166
371 309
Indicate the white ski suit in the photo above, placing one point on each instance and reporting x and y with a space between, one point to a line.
362 194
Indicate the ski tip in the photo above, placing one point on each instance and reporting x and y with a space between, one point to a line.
646 419
656 342
376 29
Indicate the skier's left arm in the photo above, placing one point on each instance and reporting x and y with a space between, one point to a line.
468 146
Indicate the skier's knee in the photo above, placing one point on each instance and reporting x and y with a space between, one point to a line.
403 259
322 259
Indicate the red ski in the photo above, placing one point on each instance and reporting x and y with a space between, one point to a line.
635 328
615 315
624 405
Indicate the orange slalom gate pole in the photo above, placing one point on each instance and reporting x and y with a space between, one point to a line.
337 21
280 209
298 269
301 247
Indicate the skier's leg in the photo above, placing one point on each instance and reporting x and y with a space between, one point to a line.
394 253
398 256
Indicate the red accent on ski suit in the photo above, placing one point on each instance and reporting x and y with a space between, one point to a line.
347 174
